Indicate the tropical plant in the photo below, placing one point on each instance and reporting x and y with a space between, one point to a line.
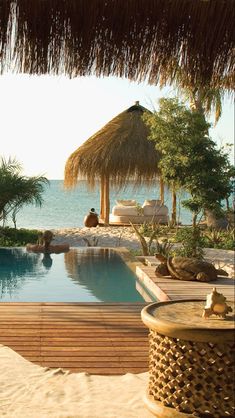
140 210
191 242
230 232
164 247
206 100
148 235
189 158
146 228
145 244
202 97
17 190
222 239
214 236
11 237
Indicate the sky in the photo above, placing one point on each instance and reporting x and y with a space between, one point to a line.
44 118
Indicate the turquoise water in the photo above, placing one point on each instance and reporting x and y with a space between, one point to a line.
80 275
63 208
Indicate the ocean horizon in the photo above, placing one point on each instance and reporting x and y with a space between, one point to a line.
67 208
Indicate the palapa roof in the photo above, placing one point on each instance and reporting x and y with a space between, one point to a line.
120 150
137 39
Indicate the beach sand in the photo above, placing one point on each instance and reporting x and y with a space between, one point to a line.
31 391
104 237
125 237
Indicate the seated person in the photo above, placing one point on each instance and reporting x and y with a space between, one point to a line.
44 245
91 220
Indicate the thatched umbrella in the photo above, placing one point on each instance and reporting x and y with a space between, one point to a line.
118 152
140 40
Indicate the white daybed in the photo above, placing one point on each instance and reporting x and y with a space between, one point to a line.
128 210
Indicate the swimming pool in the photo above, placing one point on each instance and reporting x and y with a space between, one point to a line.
80 275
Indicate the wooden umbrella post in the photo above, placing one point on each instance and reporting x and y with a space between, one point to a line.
102 197
106 200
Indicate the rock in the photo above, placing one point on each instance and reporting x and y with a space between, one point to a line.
217 223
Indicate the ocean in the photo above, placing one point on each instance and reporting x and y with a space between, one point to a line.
66 208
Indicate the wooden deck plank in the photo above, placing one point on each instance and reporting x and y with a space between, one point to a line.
94 337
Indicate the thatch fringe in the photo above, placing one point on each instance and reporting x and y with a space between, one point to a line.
138 39
120 150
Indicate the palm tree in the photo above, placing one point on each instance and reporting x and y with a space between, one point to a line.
204 100
17 190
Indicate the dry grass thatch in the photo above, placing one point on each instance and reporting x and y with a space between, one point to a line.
119 150
138 39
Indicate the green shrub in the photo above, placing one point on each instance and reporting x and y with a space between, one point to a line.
220 239
11 237
146 229
192 242
136 252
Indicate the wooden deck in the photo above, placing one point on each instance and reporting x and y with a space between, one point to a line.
166 288
98 338
82 337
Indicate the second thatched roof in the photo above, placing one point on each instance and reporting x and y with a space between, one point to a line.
120 151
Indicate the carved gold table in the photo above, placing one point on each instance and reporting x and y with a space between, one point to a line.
191 361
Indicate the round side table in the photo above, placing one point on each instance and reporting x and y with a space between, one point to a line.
191 361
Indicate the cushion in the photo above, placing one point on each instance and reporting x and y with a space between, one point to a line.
149 210
153 202
156 210
126 202
124 210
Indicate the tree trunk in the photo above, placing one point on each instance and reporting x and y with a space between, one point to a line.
194 220
162 191
173 215
196 103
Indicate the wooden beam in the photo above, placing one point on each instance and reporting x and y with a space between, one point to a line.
106 200
162 190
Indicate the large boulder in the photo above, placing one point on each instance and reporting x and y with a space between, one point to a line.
213 221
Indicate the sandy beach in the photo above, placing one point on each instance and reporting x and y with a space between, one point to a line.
98 237
31 391
125 237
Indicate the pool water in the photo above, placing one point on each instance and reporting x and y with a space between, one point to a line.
80 275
